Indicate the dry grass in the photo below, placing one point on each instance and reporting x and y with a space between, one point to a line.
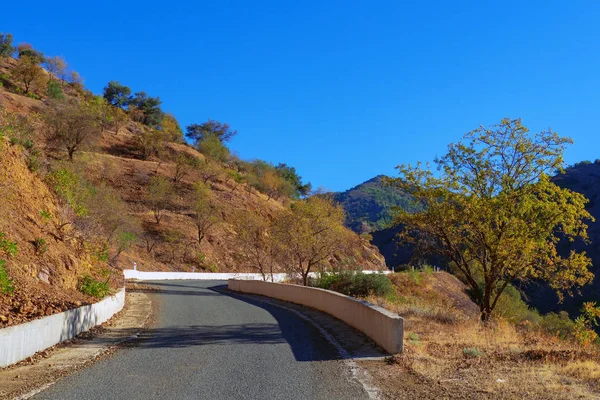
450 354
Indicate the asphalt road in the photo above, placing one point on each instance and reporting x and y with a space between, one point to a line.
210 345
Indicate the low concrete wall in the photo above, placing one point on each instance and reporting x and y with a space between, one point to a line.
163 276
21 341
382 326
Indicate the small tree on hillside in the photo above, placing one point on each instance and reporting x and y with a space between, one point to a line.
116 94
495 215
184 164
102 111
29 73
150 106
171 128
209 171
55 66
255 242
159 195
6 47
289 174
119 118
310 233
213 148
199 132
27 50
206 214
70 125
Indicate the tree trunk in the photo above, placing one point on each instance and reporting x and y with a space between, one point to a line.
200 235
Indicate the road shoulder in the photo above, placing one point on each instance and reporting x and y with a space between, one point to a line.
40 371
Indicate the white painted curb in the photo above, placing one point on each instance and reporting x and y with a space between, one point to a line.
21 341
216 276
384 327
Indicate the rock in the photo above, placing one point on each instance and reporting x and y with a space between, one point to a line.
44 275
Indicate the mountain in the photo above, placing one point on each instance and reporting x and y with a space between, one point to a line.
369 205
582 177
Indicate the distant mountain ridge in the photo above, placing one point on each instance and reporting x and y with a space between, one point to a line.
369 205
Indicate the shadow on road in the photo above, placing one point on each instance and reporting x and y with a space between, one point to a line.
304 339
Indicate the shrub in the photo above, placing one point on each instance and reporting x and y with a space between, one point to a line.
55 91
472 352
41 246
413 337
356 284
45 215
33 160
512 307
8 246
93 287
6 283
558 324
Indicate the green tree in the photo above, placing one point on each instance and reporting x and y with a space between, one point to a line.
116 94
494 214
6 47
212 147
310 233
159 195
150 106
289 174
210 128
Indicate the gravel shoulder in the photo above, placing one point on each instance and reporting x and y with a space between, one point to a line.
40 371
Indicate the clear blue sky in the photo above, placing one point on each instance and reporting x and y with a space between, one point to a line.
341 90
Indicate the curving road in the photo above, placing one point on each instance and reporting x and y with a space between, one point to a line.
211 345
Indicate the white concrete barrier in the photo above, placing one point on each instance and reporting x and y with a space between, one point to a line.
21 341
217 276
382 326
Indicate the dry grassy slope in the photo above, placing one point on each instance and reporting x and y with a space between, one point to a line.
115 164
45 283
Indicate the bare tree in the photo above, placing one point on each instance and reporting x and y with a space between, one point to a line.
70 125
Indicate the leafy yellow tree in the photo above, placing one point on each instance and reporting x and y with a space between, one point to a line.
494 214
119 118
171 128
206 214
255 242
310 233
159 195
29 73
